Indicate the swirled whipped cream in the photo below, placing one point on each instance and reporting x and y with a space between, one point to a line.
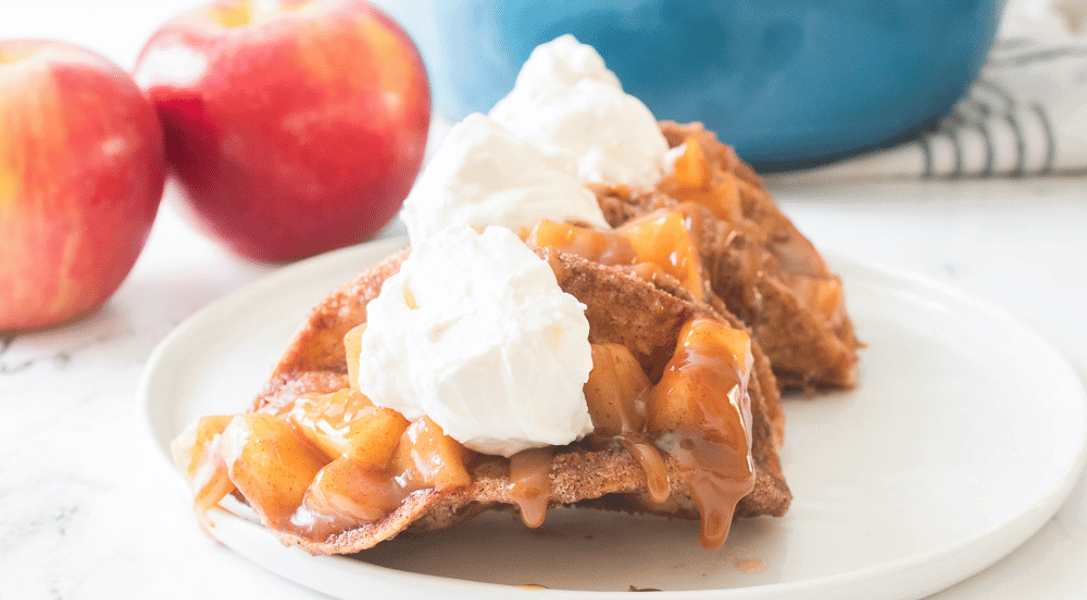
566 100
475 333
484 174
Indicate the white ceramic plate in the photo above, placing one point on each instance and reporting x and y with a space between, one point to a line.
964 437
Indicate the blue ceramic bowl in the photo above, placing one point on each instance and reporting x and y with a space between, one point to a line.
789 83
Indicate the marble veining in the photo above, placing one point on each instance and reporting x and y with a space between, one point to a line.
5 367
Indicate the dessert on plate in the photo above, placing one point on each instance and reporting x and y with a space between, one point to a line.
601 386
578 321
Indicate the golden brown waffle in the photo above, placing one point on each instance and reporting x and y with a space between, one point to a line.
622 308
766 272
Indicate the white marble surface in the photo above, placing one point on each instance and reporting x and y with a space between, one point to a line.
89 511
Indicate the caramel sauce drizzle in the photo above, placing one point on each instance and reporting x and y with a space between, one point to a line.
530 483
649 458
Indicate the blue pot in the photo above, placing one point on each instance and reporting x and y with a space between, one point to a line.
789 83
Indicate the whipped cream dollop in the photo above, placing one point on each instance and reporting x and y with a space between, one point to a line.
475 333
484 174
566 100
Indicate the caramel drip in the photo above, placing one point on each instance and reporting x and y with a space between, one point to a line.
530 483
651 461
700 410
750 565
717 478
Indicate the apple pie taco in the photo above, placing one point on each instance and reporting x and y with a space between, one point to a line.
765 271
428 390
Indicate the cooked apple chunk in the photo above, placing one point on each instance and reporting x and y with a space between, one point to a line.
694 179
614 390
345 490
663 238
372 438
196 454
603 247
428 458
271 464
325 418
704 380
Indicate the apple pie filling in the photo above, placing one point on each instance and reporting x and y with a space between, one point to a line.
660 242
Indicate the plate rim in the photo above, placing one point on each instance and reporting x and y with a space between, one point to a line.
1011 533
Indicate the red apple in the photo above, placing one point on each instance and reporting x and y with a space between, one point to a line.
293 127
81 177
